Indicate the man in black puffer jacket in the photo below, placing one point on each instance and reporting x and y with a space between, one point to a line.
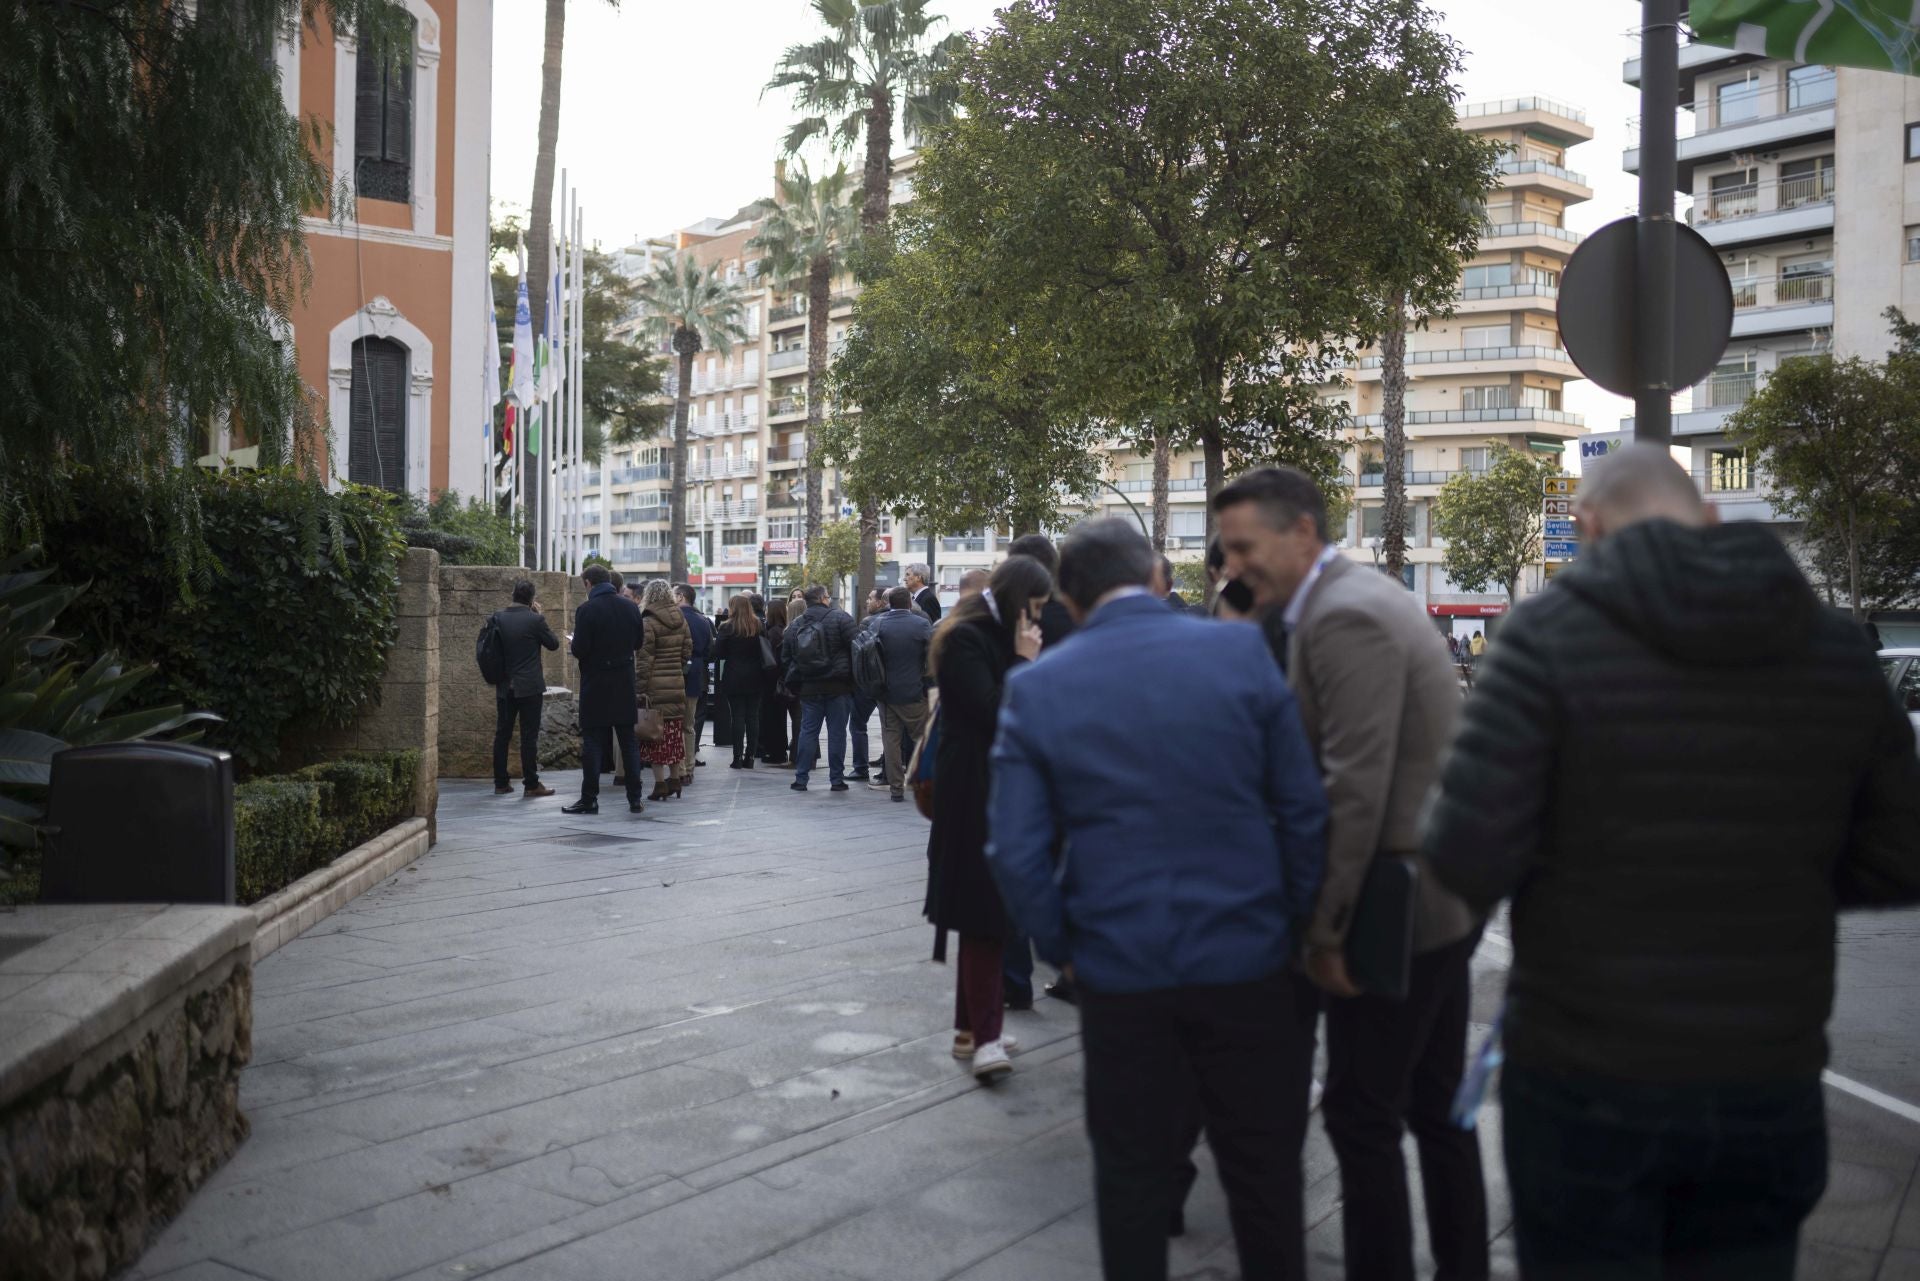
819 664
1679 765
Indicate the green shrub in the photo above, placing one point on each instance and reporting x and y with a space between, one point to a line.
464 531
292 824
284 630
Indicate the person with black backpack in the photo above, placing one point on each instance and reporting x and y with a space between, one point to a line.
819 662
508 652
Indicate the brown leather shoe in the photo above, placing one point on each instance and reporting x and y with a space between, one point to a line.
536 792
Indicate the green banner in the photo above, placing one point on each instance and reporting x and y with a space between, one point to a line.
1879 35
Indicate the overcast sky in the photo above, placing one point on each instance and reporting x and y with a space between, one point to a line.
662 123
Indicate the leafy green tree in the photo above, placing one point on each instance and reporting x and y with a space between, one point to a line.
1492 521
695 309
834 554
154 184
808 233
1840 441
948 404
1207 194
877 65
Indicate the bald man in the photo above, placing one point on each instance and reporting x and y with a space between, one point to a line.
1677 763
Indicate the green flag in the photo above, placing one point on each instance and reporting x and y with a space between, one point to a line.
540 377
1879 35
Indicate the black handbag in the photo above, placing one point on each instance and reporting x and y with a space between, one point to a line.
1379 947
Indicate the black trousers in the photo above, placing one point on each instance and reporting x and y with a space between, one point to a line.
1394 1066
743 720
526 710
591 746
1237 1048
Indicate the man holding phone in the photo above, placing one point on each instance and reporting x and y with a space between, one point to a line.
1379 703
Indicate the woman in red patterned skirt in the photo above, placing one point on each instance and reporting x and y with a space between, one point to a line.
661 672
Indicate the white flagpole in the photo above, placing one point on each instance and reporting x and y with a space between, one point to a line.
576 384
563 324
572 550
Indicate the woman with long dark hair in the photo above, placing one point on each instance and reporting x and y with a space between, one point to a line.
973 648
773 706
736 647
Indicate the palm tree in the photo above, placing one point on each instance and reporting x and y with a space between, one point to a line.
877 63
695 309
1393 429
808 231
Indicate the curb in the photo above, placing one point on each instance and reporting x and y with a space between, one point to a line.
288 913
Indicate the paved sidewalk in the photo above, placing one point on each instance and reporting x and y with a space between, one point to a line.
707 1042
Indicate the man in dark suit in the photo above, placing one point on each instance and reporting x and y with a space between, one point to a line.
923 595
1379 703
523 634
606 634
1180 939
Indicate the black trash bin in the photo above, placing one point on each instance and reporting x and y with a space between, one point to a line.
139 823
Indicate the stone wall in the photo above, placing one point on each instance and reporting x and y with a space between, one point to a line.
468 593
116 1106
407 715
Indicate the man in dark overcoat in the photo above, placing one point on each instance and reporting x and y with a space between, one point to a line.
606 633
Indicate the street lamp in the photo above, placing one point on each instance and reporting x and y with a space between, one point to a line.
1372 545
1130 506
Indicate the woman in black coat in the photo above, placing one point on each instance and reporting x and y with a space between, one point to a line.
773 699
736 646
978 641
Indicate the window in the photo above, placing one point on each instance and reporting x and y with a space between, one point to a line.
1488 335
738 537
1913 142
1487 276
1139 473
1474 458
1735 100
1809 87
377 422
1197 470
1805 182
1913 244
1540 397
1186 524
1728 471
1373 520
1732 195
383 123
1496 396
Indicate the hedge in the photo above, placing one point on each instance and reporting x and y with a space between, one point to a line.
291 824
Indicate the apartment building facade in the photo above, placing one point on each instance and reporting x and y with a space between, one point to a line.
391 335
1806 180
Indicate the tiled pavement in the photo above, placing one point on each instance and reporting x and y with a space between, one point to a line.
707 1042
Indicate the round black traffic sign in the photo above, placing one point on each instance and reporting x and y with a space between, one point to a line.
1596 307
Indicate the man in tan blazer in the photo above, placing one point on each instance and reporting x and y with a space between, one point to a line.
1379 702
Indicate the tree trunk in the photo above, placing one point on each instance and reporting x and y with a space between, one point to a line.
819 301
1853 563
1393 427
540 227
876 184
1215 451
1162 467
682 400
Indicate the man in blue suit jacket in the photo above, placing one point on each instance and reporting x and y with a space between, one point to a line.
1164 758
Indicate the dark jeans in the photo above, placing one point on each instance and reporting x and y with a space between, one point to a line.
863 707
1620 1181
591 740
834 711
1240 1047
1016 965
527 711
1393 1066
743 717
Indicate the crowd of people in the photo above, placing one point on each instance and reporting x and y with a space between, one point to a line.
1232 823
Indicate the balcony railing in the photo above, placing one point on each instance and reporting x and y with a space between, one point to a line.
1505 414
963 544
593 478
1480 293
787 311
778 500
1725 390
781 406
721 512
639 515
1455 354
1378 479
1518 168
1757 293
723 467
794 453
1748 105
635 475
791 358
1508 106
1180 485
1751 198
1495 230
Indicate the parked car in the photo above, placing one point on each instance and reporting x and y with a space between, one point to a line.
1902 667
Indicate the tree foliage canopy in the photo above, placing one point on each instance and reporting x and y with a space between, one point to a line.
1205 202
1492 521
152 252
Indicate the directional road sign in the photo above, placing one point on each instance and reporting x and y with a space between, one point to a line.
1562 548
1562 486
1560 528
1551 507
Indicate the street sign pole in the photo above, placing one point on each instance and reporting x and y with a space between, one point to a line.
1654 241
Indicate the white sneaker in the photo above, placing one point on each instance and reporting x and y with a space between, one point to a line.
990 1061
879 783
963 1044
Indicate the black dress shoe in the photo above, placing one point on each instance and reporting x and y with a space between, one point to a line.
1061 989
581 807
634 806
858 775
796 787
839 787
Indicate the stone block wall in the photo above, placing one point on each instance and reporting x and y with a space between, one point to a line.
468 594
407 715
